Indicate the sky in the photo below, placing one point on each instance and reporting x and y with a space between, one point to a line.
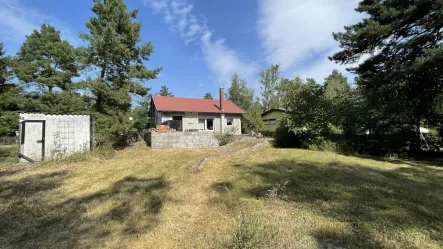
200 44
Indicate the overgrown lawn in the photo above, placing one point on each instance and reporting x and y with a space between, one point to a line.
242 196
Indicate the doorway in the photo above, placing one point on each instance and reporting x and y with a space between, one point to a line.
33 139
180 122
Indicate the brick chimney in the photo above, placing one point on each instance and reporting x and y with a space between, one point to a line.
222 97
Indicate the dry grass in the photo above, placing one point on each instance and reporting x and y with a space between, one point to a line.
244 196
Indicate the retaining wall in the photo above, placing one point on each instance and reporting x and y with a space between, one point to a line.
189 140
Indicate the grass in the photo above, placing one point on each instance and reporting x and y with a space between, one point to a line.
243 196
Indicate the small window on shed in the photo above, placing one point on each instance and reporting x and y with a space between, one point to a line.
229 121
266 121
272 121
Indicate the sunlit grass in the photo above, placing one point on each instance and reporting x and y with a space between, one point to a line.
142 198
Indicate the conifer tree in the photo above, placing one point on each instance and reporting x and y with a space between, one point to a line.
116 50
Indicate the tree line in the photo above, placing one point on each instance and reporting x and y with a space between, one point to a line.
50 75
397 90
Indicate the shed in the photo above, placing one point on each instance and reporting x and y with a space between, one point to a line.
271 117
44 136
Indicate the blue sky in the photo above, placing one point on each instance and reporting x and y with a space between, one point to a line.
201 43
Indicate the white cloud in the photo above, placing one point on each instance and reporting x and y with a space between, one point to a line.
17 21
298 33
221 60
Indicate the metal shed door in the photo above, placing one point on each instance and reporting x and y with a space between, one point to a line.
34 141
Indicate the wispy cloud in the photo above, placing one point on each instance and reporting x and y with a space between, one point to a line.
298 33
220 59
17 21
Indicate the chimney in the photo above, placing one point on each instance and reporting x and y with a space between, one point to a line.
222 97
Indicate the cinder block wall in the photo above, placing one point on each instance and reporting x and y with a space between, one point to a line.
185 140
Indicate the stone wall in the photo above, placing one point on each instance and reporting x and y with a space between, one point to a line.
189 140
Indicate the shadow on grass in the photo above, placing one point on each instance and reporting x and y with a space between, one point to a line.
128 208
374 202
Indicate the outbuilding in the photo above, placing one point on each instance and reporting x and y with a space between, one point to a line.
44 136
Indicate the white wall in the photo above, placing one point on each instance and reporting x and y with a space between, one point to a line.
64 134
190 120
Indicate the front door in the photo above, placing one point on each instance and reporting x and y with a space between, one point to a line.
33 141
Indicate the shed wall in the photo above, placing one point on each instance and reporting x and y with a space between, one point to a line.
64 134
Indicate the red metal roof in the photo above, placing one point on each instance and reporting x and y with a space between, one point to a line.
174 104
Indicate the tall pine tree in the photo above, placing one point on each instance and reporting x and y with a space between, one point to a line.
402 76
164 91
46 60
115 49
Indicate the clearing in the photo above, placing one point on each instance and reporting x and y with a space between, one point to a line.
246 195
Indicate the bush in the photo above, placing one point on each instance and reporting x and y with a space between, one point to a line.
267 133
227 137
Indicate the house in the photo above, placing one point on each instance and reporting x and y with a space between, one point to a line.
198 115
270 118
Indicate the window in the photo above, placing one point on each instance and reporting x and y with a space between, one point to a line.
229 121
266 121
210 124
272 121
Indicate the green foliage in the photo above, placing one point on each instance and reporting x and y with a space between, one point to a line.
337 93
401 77
240 94
227 137
252 120
141 119
208 96
164 91
115 50
11 97
44 59
270 82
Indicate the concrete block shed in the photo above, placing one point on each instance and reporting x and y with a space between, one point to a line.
44 136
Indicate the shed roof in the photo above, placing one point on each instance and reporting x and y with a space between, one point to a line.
175 104
274 109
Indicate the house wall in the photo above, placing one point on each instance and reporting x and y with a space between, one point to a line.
64 134
190 120
272 115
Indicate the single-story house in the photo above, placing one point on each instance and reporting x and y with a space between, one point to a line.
270 118
202 115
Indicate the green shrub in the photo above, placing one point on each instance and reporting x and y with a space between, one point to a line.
227 137
267 133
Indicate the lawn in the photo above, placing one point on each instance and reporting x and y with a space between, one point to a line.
247 195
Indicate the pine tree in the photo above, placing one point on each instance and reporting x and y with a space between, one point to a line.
11 97
164 91
115 49
402 76
270 81
208 96
44 59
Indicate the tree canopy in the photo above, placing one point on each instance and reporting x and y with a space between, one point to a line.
208 96
401 44
164 91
